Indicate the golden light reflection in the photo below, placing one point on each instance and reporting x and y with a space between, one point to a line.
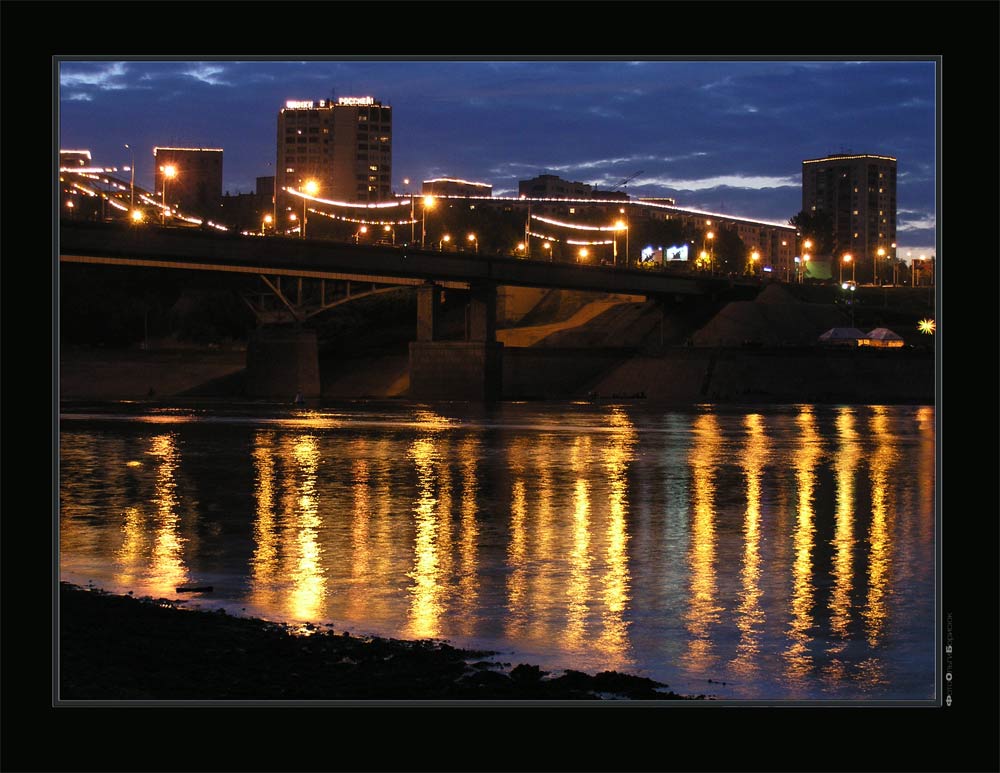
425 592
468 584
517 547
749 615
703 610
926 474
616 581
846 462
167 570
548 587
797 655
131 554
361 518
308 579
880 532
578 589
264 561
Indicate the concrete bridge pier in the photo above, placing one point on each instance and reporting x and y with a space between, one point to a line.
457 370
282 362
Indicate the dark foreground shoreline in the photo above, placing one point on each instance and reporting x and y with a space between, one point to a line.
122 648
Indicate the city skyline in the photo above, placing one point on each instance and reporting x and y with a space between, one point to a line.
728 137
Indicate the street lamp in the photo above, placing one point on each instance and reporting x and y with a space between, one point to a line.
583 253
848 258
291 218
474 238
311 187
621 211
548 246
619 226
390 230
131 168
428 204
881 253
264 223
360 232
754 257
136 216
169 173
711 249
444 240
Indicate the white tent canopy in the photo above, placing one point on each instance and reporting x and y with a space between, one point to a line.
842 334
884 334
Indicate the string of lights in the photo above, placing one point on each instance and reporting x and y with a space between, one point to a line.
353 205
577 226
362 222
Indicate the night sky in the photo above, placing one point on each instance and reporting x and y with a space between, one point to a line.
726 136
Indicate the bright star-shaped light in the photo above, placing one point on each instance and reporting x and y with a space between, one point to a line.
927 326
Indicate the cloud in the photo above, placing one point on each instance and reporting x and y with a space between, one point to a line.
753 182
80 97
206 74
108 78
923 221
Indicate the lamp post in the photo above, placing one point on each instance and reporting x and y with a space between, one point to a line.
621 211
711 250
475 239
359 233
619 226
881 253
131 167
754 257
169 172
520 248
310 187
392 231
292 217
428 204
413 220
845 259
546 245
583 254
806 246
264 223
444 240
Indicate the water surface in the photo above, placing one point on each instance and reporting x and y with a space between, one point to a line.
787 551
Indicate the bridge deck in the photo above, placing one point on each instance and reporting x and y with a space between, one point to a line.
195 249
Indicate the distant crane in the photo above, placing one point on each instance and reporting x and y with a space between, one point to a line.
626 181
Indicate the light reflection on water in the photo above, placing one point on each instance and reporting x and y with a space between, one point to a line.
787 551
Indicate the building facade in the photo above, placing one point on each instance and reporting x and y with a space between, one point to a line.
344 146
195 187
859 194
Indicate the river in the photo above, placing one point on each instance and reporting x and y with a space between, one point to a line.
760 553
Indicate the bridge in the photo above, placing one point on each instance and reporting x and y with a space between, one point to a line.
438 369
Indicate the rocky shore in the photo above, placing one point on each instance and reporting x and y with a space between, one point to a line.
123 648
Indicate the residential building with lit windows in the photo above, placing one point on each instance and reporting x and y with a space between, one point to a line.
74 159
449 186
345 146
859 193
195 186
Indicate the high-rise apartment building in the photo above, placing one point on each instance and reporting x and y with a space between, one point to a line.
345 146
859 194
195 186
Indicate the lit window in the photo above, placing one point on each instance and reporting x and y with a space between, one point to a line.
289 170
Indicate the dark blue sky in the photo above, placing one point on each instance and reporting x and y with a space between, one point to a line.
726 136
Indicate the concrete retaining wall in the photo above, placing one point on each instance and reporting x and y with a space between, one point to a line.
551 373
776 375
455 370
282 362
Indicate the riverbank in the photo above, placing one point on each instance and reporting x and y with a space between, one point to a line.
123 648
